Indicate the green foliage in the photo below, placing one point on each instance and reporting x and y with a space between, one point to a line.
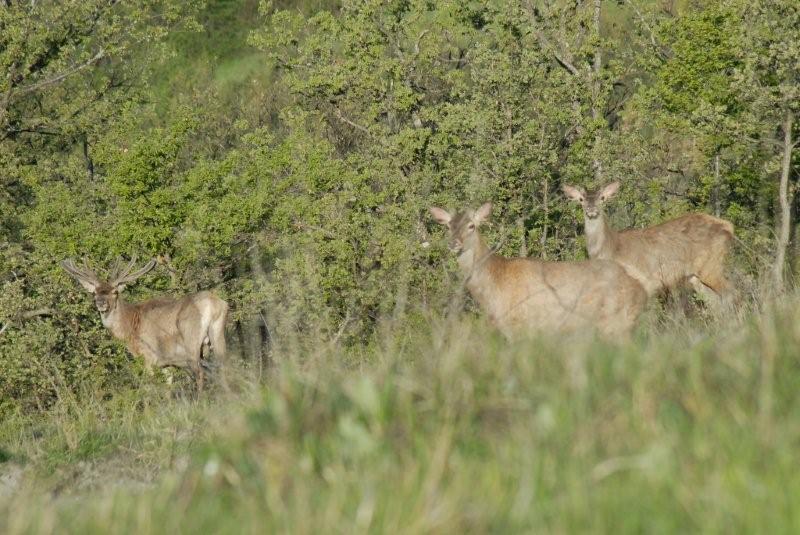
704 53
288 162
69 67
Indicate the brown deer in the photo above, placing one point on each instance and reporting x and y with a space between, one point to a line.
165 332
524 294
691 248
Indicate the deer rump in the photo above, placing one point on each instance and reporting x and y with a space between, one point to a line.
167 332
670 254
523 294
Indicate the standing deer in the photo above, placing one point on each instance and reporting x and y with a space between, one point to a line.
691 248
523 294
165 332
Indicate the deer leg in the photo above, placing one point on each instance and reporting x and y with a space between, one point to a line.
170 377
199 375
716 281
709 293
216 343
711 273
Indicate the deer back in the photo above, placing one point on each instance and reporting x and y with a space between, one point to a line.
169 332
665 255
662 256
522 294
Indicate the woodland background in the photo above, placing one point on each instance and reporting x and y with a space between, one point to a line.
285 153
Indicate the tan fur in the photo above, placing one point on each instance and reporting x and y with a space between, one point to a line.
164 332
684 250
522 294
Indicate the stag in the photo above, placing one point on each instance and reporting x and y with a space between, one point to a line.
164 332
524 294
689 249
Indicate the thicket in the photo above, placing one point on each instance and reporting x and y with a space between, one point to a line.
286 154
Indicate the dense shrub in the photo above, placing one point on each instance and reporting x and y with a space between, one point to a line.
292 172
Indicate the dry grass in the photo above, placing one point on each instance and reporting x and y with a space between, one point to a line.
442 429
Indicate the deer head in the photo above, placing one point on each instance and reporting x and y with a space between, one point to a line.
106 293
591 201
463 226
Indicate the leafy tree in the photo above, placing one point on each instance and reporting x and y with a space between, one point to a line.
69 68
292 173
771 83
694 90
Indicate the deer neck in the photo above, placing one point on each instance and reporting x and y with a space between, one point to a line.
474 263
600 237
120 320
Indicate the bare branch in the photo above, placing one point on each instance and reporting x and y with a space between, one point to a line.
38 312
645 24
544 42
55 79
344 119
342 327
419 41
566 64
26 316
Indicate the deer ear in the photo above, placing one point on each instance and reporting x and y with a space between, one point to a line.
483 213
573 193
119 288
441 216
609 190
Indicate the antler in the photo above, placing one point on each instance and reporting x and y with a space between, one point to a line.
124 276
82 273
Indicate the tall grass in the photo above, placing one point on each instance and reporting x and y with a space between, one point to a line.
443 429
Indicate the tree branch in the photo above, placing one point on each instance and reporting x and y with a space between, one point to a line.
646 26
28 315
55 79
38 312
344 119
566 64
545 44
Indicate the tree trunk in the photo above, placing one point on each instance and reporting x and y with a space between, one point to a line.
785 204
598 166
717 187
546 205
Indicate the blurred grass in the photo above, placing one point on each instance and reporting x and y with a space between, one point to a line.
444 429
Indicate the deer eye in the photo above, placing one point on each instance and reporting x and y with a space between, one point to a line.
471 226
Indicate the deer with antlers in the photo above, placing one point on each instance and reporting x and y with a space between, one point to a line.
164 332
524 294
689 249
